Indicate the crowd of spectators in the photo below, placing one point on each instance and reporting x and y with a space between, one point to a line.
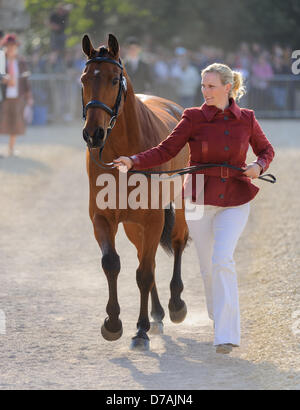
174 73
260 68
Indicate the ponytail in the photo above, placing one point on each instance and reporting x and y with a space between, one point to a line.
238 88
227 75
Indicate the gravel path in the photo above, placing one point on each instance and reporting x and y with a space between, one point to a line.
53 293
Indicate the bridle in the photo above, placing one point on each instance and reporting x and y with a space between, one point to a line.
113 112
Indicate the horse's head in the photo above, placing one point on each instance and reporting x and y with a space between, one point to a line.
103 90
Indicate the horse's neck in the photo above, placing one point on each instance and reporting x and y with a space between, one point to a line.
127 136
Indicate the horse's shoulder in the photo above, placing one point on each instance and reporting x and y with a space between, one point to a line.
159 105
148 99
144 97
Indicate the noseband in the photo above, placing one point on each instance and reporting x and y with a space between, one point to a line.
113 112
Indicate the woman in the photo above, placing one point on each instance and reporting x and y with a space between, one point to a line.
217 132
17 92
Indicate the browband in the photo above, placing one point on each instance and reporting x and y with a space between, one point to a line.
105 60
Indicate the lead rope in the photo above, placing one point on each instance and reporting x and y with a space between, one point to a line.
178 172
194 168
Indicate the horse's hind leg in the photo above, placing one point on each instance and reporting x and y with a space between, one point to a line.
135 234
105 234
177 307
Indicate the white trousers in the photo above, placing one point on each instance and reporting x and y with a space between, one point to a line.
215 235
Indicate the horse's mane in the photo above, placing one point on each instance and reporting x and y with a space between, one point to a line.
102 51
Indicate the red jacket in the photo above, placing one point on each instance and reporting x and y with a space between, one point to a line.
215 136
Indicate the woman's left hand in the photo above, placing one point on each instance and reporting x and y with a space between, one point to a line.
252 170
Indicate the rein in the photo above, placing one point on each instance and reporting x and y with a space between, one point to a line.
114 114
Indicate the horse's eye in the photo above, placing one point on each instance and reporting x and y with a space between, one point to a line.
115 81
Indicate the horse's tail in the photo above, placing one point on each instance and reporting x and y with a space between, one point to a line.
166 236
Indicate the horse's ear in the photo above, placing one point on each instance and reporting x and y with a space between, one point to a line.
113 45
87 46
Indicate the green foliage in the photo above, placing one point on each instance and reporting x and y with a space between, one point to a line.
193 22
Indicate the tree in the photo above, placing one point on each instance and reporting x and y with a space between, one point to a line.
194 22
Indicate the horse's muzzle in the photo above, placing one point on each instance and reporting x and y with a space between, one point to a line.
96 140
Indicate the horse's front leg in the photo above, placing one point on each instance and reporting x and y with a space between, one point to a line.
105 233
145 277
135 234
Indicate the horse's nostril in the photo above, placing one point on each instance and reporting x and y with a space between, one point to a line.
99 133
95 140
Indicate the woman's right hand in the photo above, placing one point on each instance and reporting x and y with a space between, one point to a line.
123 161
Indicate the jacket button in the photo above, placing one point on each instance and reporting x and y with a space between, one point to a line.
221 196
223 179
226 132
226 118
226 148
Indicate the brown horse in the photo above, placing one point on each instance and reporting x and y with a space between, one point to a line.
141 122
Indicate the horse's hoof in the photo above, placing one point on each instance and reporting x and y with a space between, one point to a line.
111 336
140 344
156 328
178 316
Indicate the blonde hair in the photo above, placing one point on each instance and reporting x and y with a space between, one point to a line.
228 76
